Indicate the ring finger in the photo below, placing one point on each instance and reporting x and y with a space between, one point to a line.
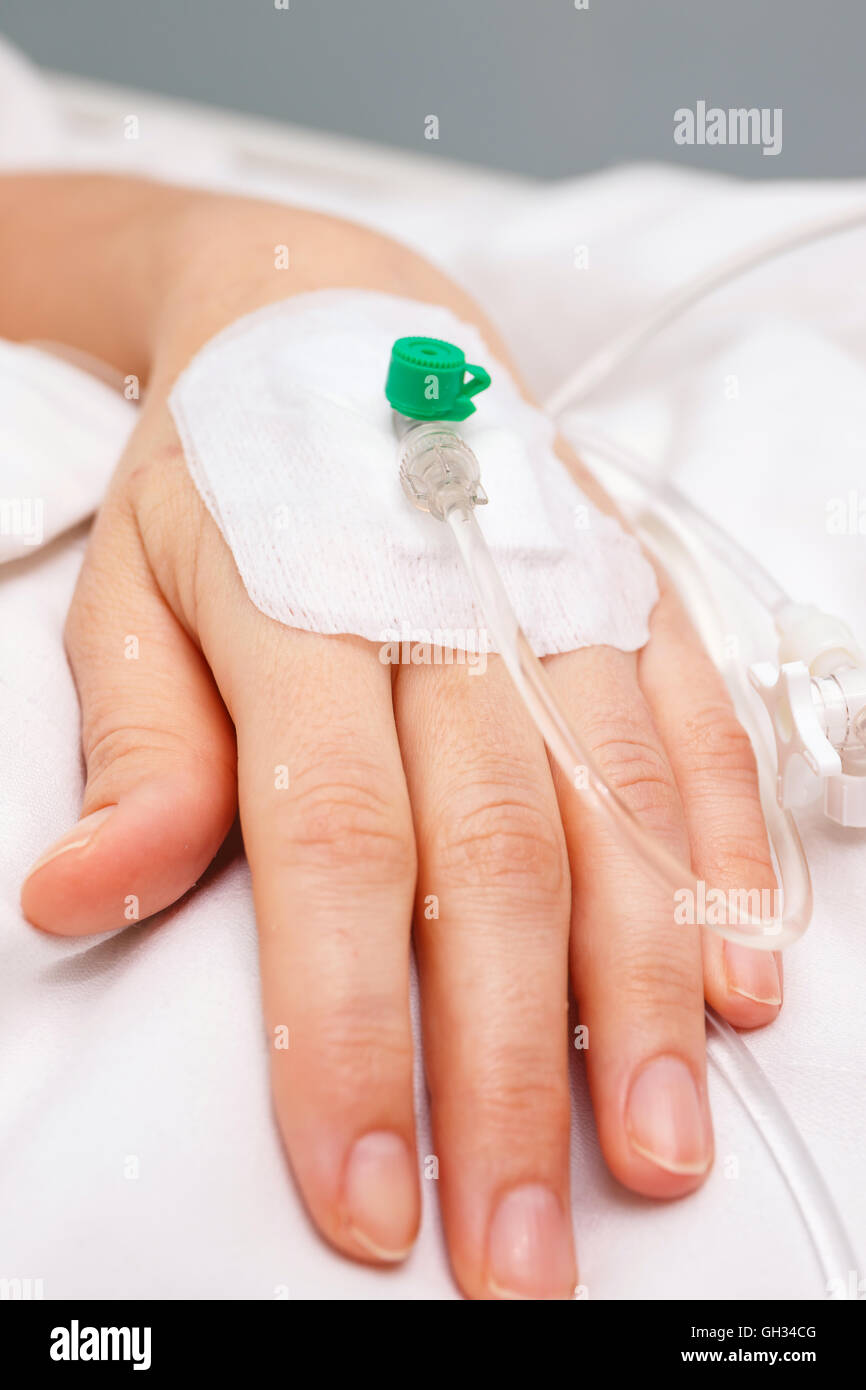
637 975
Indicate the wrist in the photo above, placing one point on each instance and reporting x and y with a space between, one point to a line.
232 256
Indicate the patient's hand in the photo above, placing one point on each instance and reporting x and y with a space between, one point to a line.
412 794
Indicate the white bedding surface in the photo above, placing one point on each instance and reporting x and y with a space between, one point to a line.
149 1043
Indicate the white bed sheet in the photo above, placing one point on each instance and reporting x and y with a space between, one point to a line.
148 1044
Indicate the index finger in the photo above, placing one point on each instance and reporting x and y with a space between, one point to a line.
328 833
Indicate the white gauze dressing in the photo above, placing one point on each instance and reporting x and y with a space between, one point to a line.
289 439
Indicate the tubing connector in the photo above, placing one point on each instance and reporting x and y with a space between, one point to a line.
816 700
438 470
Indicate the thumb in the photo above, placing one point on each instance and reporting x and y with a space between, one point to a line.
158 744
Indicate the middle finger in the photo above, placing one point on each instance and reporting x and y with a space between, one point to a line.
492 939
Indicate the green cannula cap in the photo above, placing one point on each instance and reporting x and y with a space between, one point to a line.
427 380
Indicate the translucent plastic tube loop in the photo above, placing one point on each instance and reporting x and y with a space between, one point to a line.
576 762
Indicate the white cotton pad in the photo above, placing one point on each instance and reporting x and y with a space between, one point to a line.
289 439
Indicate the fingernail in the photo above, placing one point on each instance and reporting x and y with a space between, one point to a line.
76 838
665 1119
753 974
380 1193
529 1250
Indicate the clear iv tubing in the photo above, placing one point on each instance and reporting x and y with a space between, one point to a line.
666 515
736 1065
536 690
598 368
665 524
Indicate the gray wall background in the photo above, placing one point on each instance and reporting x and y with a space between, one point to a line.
535 86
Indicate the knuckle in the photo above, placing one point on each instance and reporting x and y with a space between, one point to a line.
662 985
159 492
723 780
744 852
358 1046
638 770
714 742
502 838
344 819
151 472
518 1099
113 745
